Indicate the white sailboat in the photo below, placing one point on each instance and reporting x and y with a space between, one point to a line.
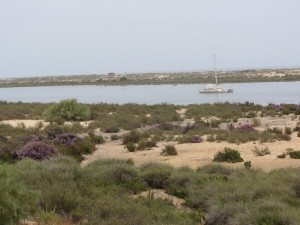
215 88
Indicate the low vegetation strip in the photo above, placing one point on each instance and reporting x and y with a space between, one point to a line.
266 75
58 190
42 182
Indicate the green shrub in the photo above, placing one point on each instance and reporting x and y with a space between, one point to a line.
78 149
69 110
288 131
130 146
256 122
133 136
146 144
228 155
215 169
169 150
114 137
112 129
11 199
97 139
281 156
261 152
156 175
295 155
247 164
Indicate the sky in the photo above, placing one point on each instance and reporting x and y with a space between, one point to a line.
73 37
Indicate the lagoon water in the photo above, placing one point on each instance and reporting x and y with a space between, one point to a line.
181 94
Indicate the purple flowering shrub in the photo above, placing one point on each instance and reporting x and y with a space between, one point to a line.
196 139
66 139
245 128
37 150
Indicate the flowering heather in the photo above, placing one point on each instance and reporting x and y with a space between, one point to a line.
66 139
196 139
37 150
245 127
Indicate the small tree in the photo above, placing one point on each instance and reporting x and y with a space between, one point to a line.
69 110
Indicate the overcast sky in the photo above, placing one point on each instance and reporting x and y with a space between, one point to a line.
60 37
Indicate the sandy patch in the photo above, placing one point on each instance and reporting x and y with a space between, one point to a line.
26 123
196 155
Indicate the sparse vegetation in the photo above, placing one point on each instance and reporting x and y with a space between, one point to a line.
169 150
261 152
295 154
228 155
58 190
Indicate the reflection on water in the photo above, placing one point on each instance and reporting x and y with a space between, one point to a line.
260 93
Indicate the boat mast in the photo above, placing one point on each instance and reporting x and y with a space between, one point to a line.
215 70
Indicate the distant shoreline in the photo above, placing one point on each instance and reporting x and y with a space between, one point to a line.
244 76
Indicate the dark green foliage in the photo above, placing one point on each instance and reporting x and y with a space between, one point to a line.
78 149
114 137
281 156
169 150
288 131
112 129
156 175
146 144
53 131
247 164
97 139
228 155
69 110
130 146
295 154
11 199
133 136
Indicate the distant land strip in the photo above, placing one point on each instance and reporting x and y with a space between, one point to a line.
240 76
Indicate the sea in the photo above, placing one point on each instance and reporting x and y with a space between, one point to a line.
180 94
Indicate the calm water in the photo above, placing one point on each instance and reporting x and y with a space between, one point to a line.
260 93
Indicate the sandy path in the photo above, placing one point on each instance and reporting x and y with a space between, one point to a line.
200 154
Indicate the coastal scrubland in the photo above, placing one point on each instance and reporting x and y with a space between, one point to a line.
73 163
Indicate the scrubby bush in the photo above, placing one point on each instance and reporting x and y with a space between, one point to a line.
53 130
281 156
112 129
156 175
146 144
247 164
261 152
295 154
228 155
288 131
66 139
189 139
97 139
169 150
245 128
77 149
256 122
133 136
37 151
130 146
114 137
69 110
11 199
